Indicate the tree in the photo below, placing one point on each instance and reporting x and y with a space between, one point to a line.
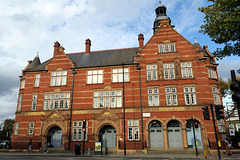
7 129
222 24
224 87
238 71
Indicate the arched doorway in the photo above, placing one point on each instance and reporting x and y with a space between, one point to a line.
108 136
155 134
174 134
190 136
54 137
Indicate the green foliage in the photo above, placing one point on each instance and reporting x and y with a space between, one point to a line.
222 24
238 71
7 129
224 87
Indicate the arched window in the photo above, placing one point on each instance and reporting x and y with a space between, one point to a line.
173 123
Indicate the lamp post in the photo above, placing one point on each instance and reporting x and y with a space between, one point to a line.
70 127
139 73
124 138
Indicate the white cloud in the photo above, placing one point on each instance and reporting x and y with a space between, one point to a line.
229 63
31 26
8 104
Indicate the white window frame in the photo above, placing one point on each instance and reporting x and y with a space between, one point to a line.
186 69
78 132
31 128
117 75
216 95
169 71
74 134
153 97
59 101
212 73
34 102
58 78
133 130
136 133
22 84
172 47
152 72
130 133
190 95
16 129
166 48
238 127
20 102
107 99
37 80
94 76
160 48
171 96
221 126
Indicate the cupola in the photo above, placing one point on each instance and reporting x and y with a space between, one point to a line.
161 17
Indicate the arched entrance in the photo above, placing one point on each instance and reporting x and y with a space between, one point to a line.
155 134
174 134
190 137
108 136
54 137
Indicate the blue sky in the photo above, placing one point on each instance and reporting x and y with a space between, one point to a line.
31 26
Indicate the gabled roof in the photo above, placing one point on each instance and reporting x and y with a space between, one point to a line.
96 59
104 58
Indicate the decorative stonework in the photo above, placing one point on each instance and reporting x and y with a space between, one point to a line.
107 117
177 68
55 118
160 69
61 49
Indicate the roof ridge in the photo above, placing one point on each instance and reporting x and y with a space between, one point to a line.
104 50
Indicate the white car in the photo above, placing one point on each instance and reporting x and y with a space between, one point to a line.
3 144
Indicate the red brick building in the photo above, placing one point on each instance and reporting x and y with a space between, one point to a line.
177 79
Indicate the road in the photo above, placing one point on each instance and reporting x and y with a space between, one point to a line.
10 157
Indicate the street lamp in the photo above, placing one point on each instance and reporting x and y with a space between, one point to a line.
124 138
69 138
139 73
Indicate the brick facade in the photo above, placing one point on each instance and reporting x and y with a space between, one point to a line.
200 59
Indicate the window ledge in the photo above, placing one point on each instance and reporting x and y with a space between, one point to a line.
167 52
59 86
121 82
94 83
152 80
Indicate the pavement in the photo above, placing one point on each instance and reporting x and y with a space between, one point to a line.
120 155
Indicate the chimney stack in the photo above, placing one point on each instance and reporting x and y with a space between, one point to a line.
88 45
56 45
140 39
